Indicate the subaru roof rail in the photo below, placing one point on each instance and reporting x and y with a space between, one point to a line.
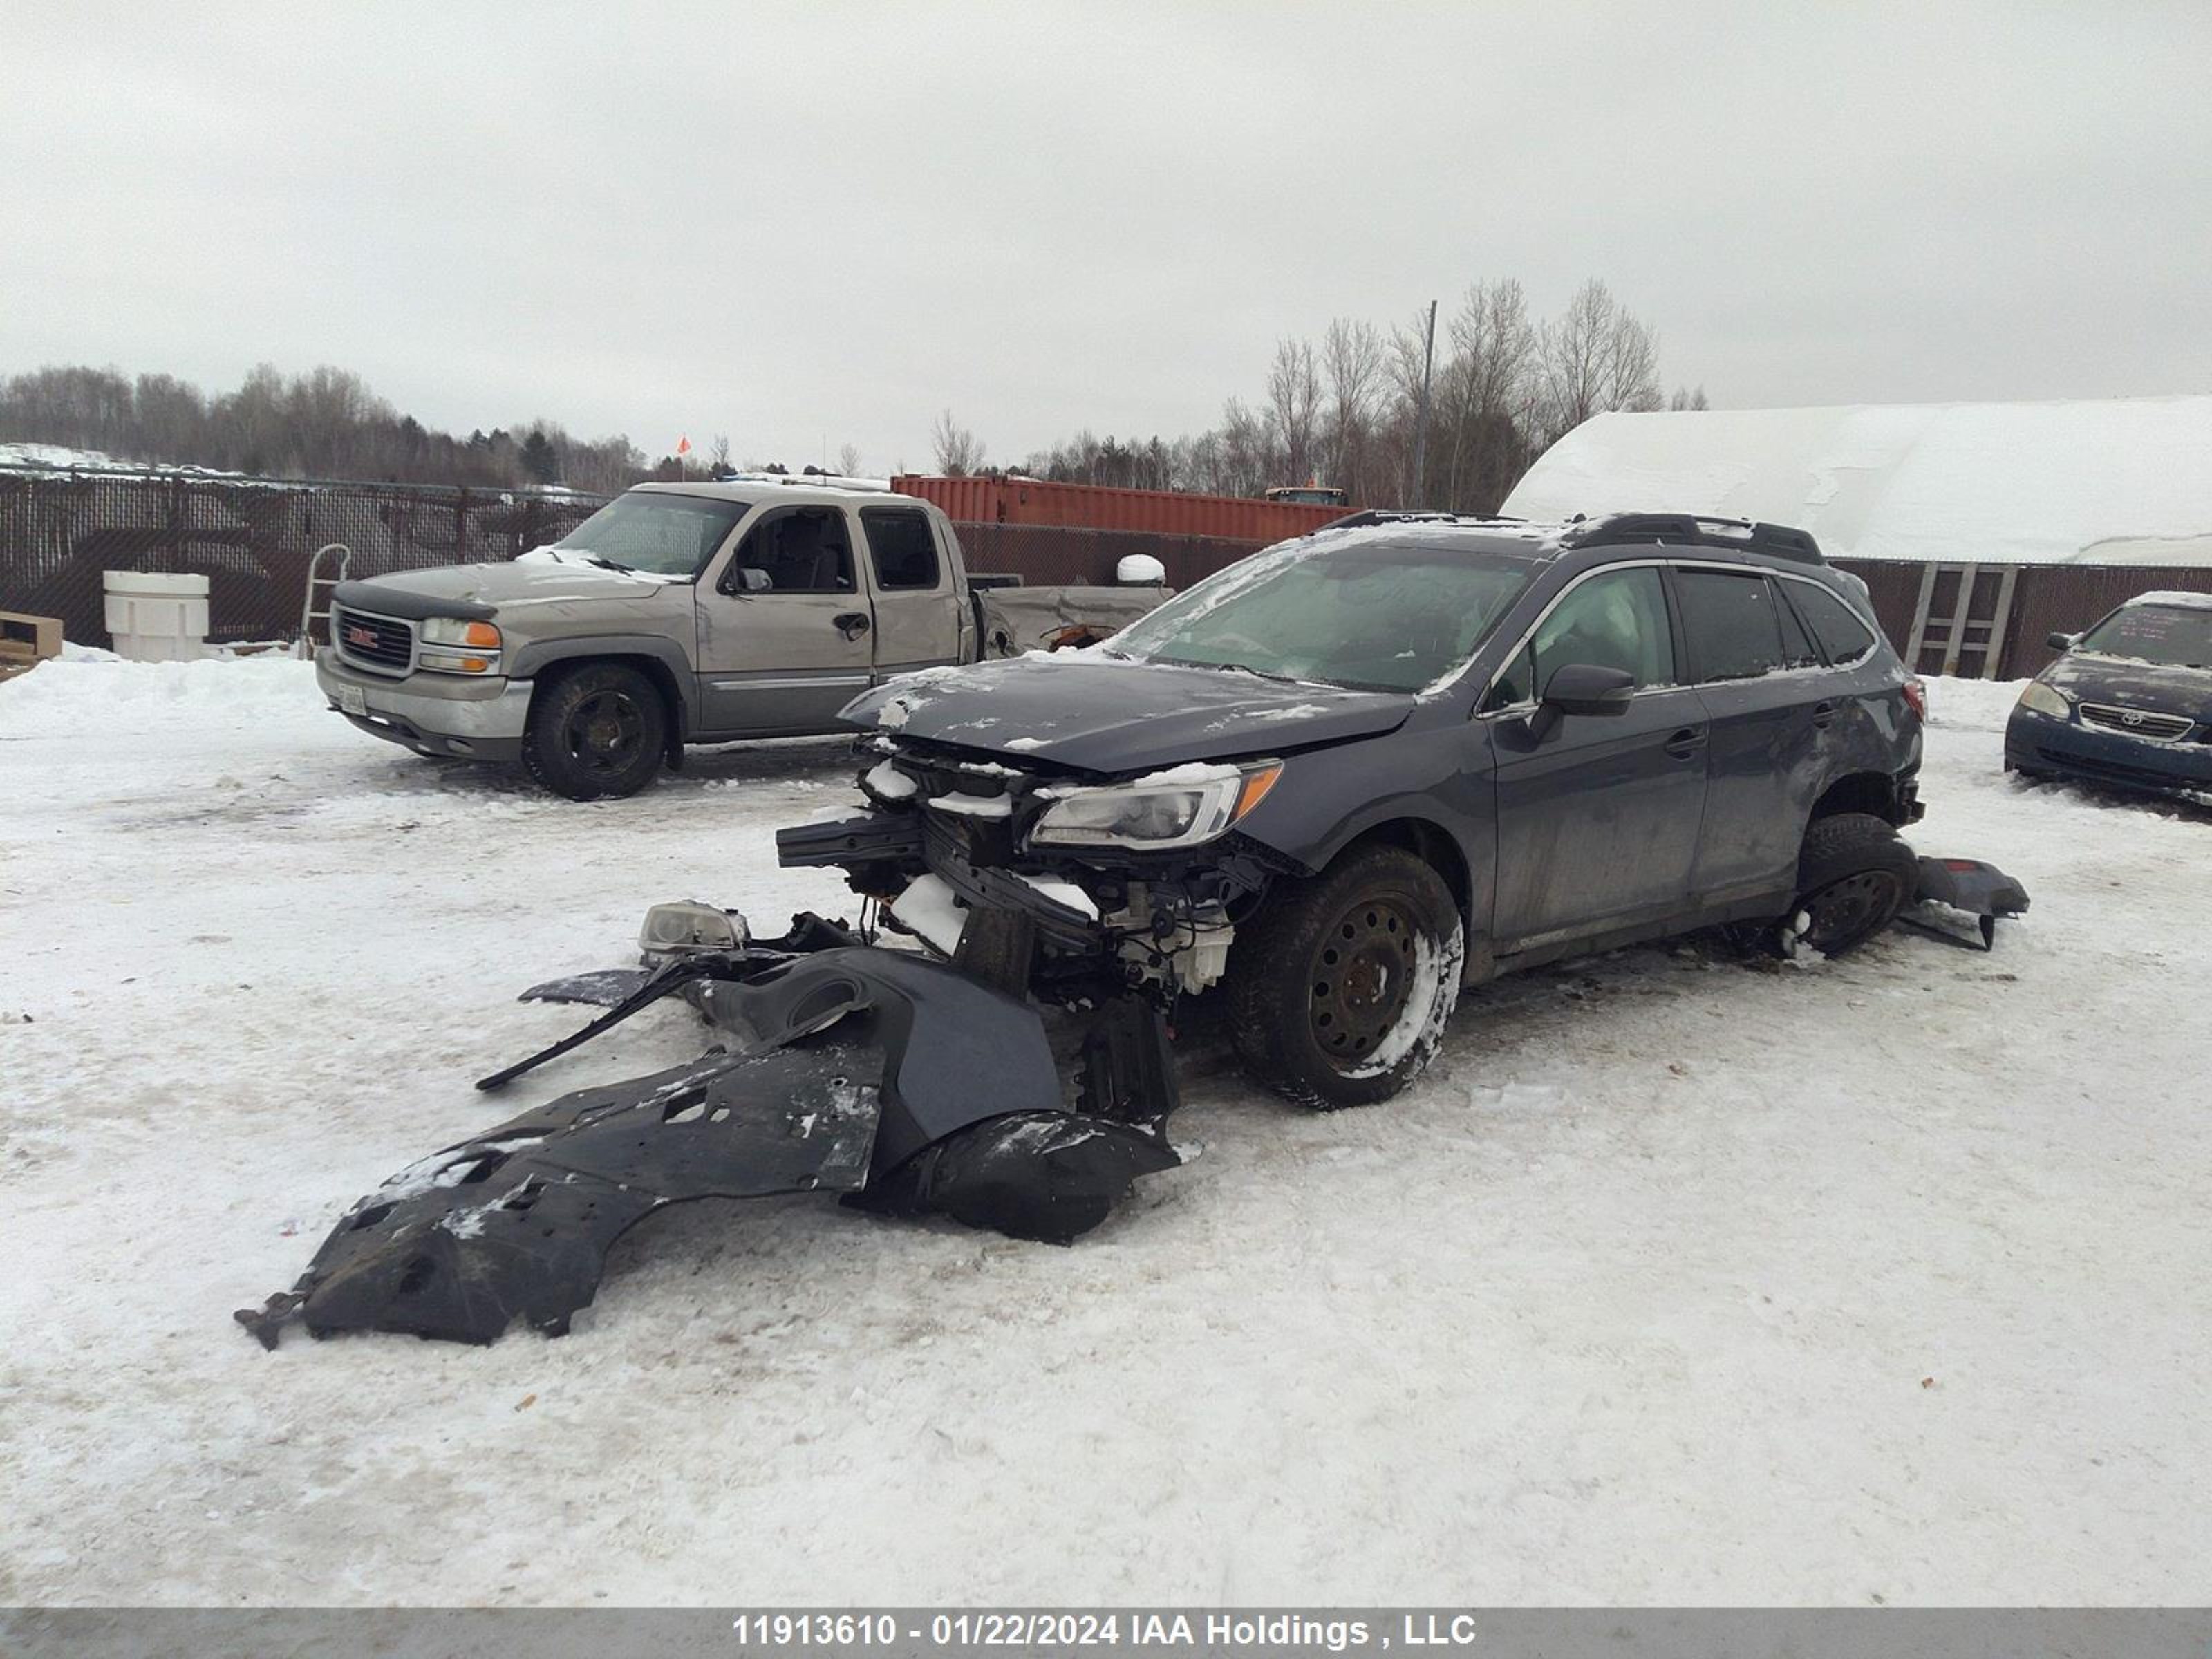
1371 516
1697 529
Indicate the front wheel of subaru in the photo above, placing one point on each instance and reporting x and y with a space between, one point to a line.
1340 988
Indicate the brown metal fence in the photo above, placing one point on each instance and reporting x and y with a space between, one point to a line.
252 538
1050 553
2045 600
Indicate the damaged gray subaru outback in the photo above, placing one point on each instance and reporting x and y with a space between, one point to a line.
1327 787
1346 777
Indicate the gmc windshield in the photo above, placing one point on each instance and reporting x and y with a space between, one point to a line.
663 535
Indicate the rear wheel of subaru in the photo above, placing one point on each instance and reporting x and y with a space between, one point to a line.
1340 988
596 731
1854 875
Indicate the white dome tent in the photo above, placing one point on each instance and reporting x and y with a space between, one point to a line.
2010 510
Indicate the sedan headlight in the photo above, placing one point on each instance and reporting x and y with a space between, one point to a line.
2044 700
1185 807
476 646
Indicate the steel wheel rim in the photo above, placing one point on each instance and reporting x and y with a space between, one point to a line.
1361 979
603 732
1846 910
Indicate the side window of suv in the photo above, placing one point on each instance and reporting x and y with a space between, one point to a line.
1728 624
1798 650
1616 619
802 551
1842 635
899 541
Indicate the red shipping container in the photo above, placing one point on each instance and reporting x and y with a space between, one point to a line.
1093 506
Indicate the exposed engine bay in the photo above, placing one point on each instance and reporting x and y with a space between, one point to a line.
1022 877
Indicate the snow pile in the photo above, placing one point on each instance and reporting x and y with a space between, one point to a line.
2122 481
1972 705
59 457
92 693
53 455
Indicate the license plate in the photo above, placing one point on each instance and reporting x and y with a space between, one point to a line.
353 700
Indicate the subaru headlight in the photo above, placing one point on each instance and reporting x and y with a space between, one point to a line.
1186 806
2044 700
473 647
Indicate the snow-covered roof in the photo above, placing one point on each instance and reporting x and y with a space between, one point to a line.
2123 480
59 458
770 486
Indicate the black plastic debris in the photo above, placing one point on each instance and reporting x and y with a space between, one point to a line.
1047 1176
870 1072
1978 890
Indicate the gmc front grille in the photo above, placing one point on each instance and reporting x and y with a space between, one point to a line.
382 643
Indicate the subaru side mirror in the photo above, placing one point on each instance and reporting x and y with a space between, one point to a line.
1581 688
2061 642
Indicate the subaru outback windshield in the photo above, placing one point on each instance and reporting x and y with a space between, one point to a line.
660 535
1367 614
2172 635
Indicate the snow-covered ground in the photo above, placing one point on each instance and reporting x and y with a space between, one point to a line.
1674 1281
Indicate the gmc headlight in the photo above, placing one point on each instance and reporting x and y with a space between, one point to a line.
1186 806
476 646
2044 700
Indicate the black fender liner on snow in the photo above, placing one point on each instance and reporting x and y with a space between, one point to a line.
852 1062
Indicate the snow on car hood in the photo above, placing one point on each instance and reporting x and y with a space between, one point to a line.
2128 681
1100 714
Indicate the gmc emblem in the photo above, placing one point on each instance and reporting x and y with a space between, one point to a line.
356 635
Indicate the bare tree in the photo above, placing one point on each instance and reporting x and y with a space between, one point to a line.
1351 353
1294 400
959 452
1684 398
1493 387
848 460
718 453
1597 357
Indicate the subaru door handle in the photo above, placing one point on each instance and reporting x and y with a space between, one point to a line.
1686 743
1823 713
852 624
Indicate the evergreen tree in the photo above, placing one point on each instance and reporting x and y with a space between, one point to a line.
539 463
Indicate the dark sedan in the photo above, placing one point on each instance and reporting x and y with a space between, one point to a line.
2129 703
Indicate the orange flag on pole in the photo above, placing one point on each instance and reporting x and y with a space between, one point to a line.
683 446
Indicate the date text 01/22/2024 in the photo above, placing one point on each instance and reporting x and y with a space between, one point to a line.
1018 1630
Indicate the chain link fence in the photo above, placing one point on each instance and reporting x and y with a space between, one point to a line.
251 538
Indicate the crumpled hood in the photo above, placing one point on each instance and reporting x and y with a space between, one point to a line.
1098 714
2087 677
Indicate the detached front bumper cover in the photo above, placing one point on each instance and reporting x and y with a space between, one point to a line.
855 1070
1974 888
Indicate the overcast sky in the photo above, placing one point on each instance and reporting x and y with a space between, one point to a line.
807 227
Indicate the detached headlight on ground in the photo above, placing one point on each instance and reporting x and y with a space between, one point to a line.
2043 700
1157 813
479 643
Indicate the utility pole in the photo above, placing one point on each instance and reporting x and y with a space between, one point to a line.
1421 415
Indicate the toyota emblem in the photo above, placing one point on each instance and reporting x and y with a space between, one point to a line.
2131 717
